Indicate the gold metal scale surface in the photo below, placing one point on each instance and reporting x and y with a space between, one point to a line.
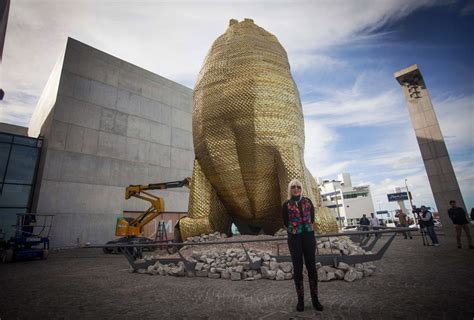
248 133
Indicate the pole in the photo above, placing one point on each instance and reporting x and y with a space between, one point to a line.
337 207
411 203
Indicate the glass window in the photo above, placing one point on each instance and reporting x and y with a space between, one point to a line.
14 196
21 168
25 141
4 150
6 137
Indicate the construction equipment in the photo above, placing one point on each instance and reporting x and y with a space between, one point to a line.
131 229
31 239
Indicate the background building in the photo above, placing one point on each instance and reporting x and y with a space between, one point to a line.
106 124
348 203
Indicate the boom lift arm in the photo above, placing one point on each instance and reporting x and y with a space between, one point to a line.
134 227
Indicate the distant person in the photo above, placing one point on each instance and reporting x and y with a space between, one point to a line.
374 222
427 221
364 222
460 221
403 223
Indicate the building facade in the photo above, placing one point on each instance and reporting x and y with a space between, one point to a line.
106 124
347 202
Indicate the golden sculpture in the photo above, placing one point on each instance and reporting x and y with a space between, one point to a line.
248 133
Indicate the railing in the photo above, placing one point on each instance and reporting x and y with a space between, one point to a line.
133 251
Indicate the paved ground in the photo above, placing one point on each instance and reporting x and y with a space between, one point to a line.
412 282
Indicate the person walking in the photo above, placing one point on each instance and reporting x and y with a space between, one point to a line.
461 222
374 221
298 218
428 223
364 222
403 222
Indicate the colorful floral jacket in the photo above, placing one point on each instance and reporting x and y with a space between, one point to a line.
298 216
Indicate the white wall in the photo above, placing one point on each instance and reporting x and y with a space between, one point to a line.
111 124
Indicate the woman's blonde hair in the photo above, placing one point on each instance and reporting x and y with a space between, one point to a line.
294 182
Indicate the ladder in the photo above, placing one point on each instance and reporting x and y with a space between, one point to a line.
161 233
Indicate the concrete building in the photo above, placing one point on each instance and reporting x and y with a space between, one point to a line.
107 124
347 202
439 169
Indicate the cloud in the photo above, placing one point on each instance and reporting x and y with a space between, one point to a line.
392 153
468 9
16 107
172 38
304 62
456 117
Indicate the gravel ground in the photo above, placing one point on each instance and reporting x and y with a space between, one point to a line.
411 282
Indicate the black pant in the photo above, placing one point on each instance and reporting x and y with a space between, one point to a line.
303 245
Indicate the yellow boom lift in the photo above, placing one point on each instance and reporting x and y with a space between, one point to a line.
131 229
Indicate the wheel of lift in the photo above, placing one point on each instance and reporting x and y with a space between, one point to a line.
108 250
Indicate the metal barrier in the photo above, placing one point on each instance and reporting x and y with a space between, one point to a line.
134 254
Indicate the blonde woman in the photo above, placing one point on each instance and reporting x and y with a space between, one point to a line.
298 217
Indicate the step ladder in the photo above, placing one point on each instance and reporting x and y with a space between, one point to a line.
161 233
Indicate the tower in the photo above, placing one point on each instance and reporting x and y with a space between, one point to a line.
439 169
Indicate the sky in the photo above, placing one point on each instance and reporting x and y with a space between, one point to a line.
342 55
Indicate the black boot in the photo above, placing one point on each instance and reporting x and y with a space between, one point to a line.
313 287
300 292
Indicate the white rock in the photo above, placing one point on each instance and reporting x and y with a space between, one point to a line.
273 265
264 271
198 266
322 275
343 266
280 275
286 266
350 275
235 276
339 274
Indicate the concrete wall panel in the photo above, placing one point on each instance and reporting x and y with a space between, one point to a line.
113 124
181 158
181 119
